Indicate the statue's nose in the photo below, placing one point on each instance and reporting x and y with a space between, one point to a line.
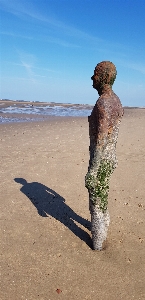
92 77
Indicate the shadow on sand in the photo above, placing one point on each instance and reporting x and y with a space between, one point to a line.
49 203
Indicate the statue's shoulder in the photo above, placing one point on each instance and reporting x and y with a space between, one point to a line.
110 104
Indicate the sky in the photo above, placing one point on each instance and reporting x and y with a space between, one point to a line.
49 49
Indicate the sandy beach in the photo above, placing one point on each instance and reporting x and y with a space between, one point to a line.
45 235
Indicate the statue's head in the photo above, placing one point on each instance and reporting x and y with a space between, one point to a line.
104 75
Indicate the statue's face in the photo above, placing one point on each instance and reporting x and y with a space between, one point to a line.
96 80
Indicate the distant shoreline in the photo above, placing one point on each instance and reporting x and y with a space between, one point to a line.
7 102
25 111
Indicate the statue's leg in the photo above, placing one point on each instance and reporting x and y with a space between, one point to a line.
99 225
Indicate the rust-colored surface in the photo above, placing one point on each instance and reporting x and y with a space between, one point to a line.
106 114
103 130
104 74
108 109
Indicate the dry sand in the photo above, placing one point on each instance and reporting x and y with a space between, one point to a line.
45 239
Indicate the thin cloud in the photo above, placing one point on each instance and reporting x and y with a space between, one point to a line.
137 67
32 67
48 39
16 35
27 62
21 9
26 9
131 65
29 71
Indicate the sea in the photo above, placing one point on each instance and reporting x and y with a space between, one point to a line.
22 111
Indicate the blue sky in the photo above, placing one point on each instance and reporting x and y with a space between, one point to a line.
49 49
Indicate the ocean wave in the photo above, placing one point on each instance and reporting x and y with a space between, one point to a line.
46 110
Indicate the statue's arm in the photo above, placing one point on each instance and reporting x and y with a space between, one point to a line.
103 124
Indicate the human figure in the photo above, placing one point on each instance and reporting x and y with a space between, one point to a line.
103 131
49 203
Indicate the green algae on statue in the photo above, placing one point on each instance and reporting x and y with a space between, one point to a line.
103 131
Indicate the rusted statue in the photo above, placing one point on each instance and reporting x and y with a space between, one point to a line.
103 130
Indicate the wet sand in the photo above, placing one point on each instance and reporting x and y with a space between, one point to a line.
23 111
17 103
45 238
